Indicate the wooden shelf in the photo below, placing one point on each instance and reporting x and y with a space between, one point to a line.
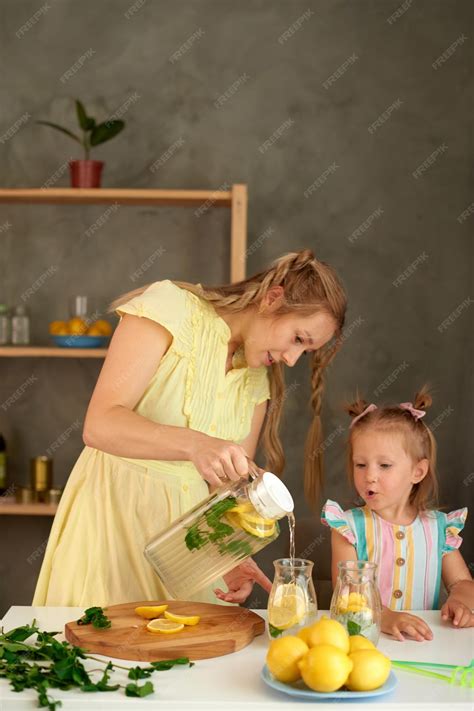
9 507
235 198
50 352
82 196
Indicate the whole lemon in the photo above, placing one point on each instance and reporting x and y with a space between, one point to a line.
283 656
325 668
94 331
104 326
57 328
304 634
327 631
77 326
369 671
358 641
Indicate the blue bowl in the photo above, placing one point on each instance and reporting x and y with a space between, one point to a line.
300 689
80 341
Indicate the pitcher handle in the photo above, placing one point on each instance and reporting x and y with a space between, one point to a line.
253 472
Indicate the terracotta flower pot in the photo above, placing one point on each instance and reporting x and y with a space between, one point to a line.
85 173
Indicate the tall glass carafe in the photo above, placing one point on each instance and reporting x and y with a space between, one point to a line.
215 536
356 599
292 603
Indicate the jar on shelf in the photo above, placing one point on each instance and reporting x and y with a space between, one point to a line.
215 536
356 602
292 603
5 325
20 326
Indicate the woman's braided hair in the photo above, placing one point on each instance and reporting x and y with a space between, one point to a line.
310 287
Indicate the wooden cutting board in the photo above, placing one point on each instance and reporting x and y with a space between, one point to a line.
223 629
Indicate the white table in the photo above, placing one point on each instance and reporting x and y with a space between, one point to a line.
233 682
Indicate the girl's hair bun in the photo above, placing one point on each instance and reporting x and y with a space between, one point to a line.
423 398
357 407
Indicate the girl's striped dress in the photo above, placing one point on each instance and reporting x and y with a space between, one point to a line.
409 558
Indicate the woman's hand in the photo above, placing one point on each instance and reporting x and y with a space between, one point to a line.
240 582
218 459
396 623
457 613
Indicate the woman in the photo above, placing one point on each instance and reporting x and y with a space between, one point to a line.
179 406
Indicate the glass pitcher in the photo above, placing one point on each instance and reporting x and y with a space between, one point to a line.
292 603
356 599
215 536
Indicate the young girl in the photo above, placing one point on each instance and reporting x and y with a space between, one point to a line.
392 459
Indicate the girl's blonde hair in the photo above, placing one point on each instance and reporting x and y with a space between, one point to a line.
310 287
418 440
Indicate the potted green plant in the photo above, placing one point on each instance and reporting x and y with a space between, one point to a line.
86 173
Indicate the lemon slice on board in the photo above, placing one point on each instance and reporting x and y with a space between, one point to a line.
190 620
164 626
150 611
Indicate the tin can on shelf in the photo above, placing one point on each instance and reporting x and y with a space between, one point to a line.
41 469
25 495
53 496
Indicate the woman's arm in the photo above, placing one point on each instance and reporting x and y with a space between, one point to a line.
460 586
135 351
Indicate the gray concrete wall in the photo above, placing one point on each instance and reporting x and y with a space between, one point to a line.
276 65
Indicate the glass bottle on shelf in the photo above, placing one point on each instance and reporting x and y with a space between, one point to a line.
5 325
20 326
356 599
292 603
215 536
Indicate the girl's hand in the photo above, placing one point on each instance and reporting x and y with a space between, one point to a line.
457 613
218 460
240 582
395 623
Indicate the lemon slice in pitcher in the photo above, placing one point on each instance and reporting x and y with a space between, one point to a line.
183 619
164 626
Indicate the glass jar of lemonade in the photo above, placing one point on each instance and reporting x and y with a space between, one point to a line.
292 603
356 602
215 536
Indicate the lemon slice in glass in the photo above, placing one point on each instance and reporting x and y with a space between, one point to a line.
190 620
287 607
149 612
164 626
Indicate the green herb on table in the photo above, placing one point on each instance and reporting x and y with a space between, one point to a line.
49 664
96 617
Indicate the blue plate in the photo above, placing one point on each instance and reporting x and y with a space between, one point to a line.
80 341
300 689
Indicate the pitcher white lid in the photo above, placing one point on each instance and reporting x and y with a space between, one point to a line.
272 495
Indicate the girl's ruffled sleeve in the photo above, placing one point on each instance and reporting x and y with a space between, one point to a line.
454 523
333 516
165 303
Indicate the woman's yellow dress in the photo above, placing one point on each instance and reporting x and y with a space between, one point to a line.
112 506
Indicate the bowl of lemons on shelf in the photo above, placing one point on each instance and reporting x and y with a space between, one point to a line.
322 661
79 332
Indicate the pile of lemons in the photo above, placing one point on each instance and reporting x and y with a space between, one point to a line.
169 623
80 327
326 658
